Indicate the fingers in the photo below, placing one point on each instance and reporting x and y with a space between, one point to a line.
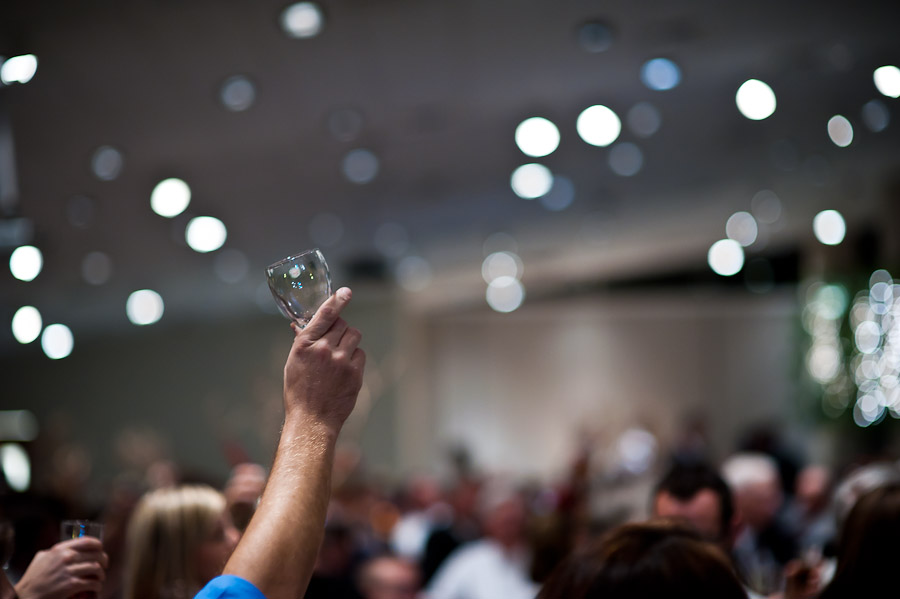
336 332
90 570
326 315
349 340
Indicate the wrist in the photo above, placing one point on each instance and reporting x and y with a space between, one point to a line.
302 426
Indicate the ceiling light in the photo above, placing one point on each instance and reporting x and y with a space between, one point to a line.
598 125
16 466
660 74
537 137
26 262
170 197
302 20
531 181
205 234
755 100
726 257
144 307
829 227
26 324
18 69
57 341
887 80
840 131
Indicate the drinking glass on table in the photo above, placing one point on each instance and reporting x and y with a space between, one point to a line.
300 284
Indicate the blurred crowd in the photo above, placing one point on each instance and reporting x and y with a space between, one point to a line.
786 528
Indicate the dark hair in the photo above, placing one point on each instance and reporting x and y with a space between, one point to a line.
651 559
684 480
867 550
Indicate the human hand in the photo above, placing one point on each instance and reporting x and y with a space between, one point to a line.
323 373
802 579
66 569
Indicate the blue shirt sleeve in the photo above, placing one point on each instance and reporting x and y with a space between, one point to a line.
229 587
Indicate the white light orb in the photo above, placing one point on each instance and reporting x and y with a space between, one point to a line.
726 257
840 131
829 227
27 324
170 197
741 226
505 294
144 307
238 93
16 466
531 181
360 166
537 137
26 262
107 163
598 125
755 100
887 80
18 69
205 234
57 341
302 20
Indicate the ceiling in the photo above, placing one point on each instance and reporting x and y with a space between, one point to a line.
440 88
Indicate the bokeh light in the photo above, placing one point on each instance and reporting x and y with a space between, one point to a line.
560 196
107 163
726 257
170 197
16 466
840 131
625 159
18 69
27 324
26 262
755 100
144 307
598 125
238 93
501 264
57 341
531 181
537 137
660 74
96 268
302 20
360 166
413 273
595 37
876 116
887 80
829 227
205 234
643 119
505 294
741 227
766 206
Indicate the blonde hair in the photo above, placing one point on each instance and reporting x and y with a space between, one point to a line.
165 532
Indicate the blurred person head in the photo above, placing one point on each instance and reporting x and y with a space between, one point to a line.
389 577
503 514
867 549
813 488
696 494
650 559
858 482
178 540
755 482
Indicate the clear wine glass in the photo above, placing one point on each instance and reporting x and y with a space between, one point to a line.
300 284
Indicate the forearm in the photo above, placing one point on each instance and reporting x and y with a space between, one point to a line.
279 548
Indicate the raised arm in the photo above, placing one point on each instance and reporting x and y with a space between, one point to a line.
322 378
